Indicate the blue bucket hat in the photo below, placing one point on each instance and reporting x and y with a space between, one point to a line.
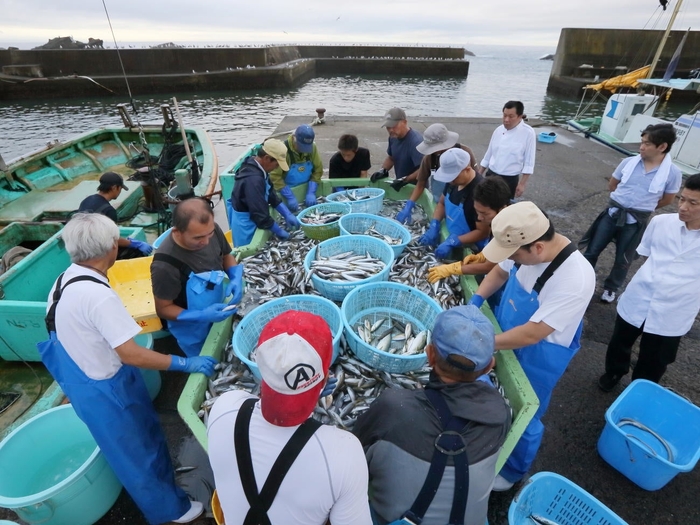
304 136
466 332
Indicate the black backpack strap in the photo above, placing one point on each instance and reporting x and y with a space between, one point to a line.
50 318
448 443
261 502
185 271
553 266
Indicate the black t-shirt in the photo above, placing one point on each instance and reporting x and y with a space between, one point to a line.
466 196
338 168
98 204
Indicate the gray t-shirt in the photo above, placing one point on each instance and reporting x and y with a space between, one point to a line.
165 278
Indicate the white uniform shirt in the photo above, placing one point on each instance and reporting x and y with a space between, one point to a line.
91 321
511 152
664 294
564 297
328 480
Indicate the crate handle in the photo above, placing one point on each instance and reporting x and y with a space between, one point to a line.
520 491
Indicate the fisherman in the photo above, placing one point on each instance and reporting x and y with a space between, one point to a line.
549 285
188 276
511 151
92 355
456 206
249 205
639 185
436 140
491 196
350 161
310 474
304 166
402 154
404 431
111 186
663 298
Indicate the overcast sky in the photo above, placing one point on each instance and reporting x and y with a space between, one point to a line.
25 23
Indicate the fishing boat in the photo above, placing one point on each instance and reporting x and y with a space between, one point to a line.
159 163
627 112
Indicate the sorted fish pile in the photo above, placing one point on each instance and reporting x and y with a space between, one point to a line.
391 335
350 196
373 232
345 267
318 217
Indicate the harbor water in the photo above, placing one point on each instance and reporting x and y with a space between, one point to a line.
235 119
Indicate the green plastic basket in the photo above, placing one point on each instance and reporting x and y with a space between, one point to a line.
321 232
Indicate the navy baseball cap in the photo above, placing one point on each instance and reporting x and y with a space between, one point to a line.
466 332
304 136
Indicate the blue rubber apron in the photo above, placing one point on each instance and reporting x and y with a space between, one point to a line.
120 416
456 221
299 173
203 289
242 227
543 363
437 188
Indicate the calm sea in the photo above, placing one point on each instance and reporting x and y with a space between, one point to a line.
236 119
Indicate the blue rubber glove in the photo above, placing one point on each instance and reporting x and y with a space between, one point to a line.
277 230
476 300
235 284
211 314
141 246
329 387
193 365
292 203
405 216
445 248
289 217
430 237
311 193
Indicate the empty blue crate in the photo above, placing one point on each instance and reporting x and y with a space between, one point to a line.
555 498
651 434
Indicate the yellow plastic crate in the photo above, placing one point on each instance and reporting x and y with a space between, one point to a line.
131 279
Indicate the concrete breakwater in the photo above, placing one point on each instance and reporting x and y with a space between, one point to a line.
33 74
586 54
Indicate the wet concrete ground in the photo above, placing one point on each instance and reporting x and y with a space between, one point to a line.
570 183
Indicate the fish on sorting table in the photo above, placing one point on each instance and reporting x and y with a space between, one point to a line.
318 217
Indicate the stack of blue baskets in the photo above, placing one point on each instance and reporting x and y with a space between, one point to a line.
372 204
359 223
246 334
359 244
382 300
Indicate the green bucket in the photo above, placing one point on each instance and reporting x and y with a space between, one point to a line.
59 475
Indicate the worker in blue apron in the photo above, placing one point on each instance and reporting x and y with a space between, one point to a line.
305 167
252 196
117 408
460 179
524 225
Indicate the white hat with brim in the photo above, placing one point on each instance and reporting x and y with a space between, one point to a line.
437 138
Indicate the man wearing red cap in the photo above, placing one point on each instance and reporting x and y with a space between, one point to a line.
325 478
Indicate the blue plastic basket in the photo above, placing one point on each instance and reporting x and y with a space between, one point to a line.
547 138
379 300
638 453
359 244
372 205
554 497
359 223
245 336
321 232
161 238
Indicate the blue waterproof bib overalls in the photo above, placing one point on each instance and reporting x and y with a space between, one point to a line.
121 419
242 227
456 221
543 364
199 290
299 173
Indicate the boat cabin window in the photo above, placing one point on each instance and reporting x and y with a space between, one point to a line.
638 108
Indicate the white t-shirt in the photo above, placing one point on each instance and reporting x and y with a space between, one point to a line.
328 480
564 297
511 151
91 321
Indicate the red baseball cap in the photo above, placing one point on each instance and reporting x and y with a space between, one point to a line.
294 352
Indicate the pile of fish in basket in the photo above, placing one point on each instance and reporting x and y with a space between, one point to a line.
294 266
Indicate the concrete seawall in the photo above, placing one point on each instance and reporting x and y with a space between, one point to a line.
610 52
30 74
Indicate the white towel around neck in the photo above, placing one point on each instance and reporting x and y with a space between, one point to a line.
658 183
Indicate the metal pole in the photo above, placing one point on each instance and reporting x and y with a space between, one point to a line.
182 130
664 38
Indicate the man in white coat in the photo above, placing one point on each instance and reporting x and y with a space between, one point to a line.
663 298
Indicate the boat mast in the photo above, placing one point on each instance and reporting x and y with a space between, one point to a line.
664 38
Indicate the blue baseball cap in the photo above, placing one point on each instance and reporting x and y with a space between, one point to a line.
304 136
466 332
